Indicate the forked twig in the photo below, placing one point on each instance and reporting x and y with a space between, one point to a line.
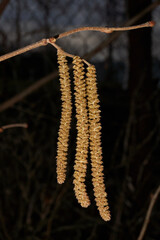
43 81
52 40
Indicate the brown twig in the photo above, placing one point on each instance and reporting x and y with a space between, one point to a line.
105 29
148 214
53 75
62 51
115 35
15 125
44 42
40 43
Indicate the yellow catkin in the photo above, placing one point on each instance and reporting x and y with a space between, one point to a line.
95 145
80 166
65 122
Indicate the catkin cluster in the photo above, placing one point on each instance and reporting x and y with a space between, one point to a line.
80 166
95 144
88 133
63 134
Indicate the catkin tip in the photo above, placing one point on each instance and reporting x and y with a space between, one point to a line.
61 181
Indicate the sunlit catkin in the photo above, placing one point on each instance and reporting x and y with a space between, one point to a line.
63 134
95 144
80 166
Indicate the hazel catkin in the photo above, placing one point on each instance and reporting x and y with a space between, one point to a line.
80 166
95 144
65 122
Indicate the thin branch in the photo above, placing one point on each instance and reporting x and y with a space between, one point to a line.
105 29
63 52
9 103
44 42
148 214
15 125
115 35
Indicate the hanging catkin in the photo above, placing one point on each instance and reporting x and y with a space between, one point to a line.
95 144
80 166
63 134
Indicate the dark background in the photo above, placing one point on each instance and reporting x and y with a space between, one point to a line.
32 204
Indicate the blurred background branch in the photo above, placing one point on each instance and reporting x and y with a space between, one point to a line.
148 214
3 5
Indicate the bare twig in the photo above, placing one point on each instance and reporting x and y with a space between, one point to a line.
105 29
115 35
63 52
148 214
44 42
15 125
40 43
9 103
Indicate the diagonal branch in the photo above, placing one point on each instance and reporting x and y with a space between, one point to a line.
28 91
148 214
